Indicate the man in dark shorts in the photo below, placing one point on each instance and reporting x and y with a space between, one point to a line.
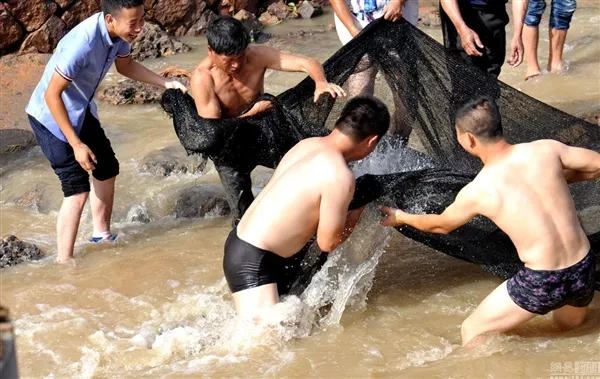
476 29
524 190
64 118
308 195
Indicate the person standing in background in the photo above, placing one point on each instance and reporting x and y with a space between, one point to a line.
351 16
560 19
477 30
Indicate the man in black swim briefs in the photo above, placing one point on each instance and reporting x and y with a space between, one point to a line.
524 190
309 193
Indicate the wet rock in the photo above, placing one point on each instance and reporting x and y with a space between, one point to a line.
13 140
283 42
177 16
231 7
430 18
200 26
64 4
308 9
249 20
128 91
138 213
202 200
14 251
281 11
46 38
268 19
80 10
32 198
171 160
153 42
10 30
32 14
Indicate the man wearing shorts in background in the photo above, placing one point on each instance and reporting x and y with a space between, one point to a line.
64 117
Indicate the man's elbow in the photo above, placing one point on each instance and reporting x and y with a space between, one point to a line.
441 230
327 245
51 95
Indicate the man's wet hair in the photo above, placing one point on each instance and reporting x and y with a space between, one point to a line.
114 7
227 36
362 117
480 117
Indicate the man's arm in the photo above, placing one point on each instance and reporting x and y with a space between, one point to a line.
468 37
340 8
53 96
133 70
519 9
335 222
276 60
461 211
203 89
578 164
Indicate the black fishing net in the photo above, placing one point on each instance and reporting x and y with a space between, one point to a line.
424 84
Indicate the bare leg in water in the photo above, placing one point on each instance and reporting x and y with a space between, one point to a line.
530 42
101 201
363 83
557 43
67 224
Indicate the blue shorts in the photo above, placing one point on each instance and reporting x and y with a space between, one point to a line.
73 178
560 13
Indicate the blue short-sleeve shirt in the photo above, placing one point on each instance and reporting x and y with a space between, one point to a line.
83 57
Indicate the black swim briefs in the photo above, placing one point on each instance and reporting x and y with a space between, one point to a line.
247 266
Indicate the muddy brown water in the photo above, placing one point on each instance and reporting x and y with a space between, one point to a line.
156 305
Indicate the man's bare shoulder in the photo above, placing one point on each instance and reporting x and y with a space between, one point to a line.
542 145
260 56
202 78
333 167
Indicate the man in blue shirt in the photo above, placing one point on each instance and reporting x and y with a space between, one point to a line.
476 29
64 117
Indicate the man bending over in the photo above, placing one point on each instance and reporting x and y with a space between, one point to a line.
524 189
308 194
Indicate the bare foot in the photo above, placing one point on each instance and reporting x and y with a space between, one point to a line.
532 74
556 68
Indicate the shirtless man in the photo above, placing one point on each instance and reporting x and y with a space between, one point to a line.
523 189
308 194
231 78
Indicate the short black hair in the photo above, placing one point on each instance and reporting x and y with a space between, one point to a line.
480 117
114 7
227 36
364 116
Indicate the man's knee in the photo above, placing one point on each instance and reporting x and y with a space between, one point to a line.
572 321
109 169
74 184
535 10
467 331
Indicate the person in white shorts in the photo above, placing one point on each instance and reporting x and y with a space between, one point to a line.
351 16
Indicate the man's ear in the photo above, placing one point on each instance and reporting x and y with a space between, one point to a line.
109 18
372 141
472 140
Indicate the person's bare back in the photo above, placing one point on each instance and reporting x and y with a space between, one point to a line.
523 189
286 212
514 192
308 195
